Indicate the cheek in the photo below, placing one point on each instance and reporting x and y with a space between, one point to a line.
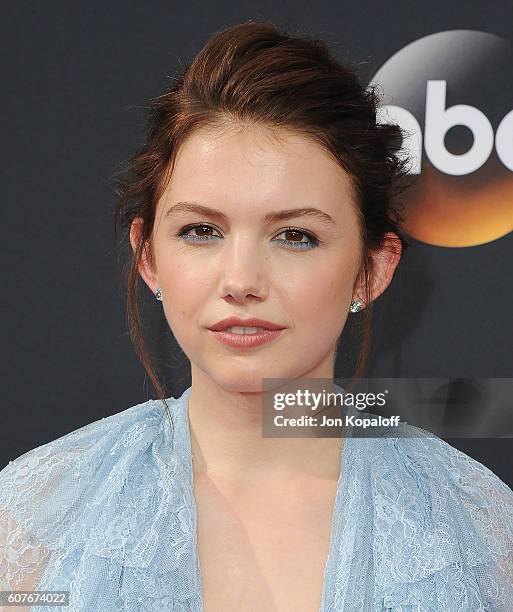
321 292
319 305
182 279
182 293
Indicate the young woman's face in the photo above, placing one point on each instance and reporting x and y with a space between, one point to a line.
242 265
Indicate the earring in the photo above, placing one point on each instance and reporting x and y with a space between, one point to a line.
158 294
356 306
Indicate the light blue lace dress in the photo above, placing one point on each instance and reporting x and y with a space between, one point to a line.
108 513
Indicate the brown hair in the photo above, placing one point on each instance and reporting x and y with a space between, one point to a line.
256 72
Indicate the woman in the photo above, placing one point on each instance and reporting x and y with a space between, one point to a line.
183 504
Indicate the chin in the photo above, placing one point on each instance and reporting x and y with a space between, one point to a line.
238 387
244 380
239 382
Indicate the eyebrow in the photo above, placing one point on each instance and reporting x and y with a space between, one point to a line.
280 215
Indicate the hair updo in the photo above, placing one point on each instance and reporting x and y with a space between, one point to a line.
257 73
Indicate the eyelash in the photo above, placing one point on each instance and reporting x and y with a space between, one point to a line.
314 242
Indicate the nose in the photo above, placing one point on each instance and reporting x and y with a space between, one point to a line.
243 271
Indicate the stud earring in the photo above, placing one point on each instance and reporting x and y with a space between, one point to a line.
356 306
158 294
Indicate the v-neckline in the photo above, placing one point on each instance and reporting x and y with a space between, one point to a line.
183 446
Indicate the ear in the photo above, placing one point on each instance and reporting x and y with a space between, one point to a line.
146 270
384 262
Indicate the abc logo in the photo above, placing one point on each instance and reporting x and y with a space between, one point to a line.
452 94
438 121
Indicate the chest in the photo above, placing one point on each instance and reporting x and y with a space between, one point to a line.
266 551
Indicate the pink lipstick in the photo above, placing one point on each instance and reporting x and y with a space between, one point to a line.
265 331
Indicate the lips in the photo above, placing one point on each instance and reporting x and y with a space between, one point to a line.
252 322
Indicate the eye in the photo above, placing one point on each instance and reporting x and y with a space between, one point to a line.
184 232
294 235
296 240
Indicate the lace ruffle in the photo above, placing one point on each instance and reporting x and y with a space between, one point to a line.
108 508
108 513
443 527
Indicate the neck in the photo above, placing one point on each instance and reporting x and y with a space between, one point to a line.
227 442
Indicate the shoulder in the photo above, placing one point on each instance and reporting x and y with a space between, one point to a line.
93 443
429 461
442 520
74 479
111 497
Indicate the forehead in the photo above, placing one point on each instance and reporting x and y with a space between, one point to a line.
257 166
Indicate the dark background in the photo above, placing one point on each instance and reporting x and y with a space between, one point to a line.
76 80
